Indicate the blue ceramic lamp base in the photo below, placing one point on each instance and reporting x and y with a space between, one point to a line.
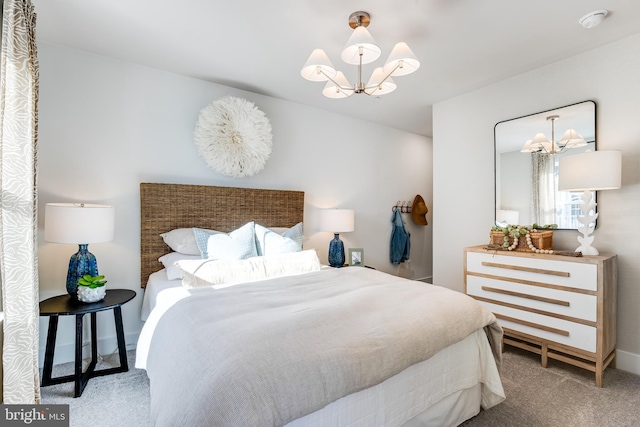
81 263
336 252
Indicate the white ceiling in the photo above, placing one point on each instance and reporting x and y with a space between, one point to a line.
261 45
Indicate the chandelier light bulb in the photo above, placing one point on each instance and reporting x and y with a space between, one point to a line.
360 43
572 139
379 85
318 67
401 61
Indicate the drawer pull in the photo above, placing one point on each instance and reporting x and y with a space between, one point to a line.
528 269
521 295
533 325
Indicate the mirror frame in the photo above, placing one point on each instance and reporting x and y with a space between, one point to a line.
546 129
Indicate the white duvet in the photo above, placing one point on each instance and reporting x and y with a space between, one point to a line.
391 324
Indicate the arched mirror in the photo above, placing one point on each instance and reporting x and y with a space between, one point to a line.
527 150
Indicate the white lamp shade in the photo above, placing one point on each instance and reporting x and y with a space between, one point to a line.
593 170
360 38
331 90
376 88
337 220
79 223
528 147
540 139
317 64
541 142
572 139
402 57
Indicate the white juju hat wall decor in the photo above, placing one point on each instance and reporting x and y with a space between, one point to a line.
234 137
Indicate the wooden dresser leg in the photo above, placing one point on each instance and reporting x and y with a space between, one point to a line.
543 353
599 375
599 372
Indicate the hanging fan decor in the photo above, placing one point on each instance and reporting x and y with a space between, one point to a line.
234 137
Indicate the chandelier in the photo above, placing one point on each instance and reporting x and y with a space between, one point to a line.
360 49
541 144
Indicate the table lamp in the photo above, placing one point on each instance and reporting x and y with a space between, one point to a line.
336 221
79 223
587 172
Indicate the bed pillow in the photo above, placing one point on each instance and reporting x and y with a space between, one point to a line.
278 241
290 264
182 240
169 262
239 244
223 273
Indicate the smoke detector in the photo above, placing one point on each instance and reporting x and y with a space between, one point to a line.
592 19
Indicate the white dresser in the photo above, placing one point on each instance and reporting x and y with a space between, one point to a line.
560 307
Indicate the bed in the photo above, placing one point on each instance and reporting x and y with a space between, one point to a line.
327 347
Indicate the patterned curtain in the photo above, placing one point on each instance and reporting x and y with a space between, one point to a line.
543 189
18 202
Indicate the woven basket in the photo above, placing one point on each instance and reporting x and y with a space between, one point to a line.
540 239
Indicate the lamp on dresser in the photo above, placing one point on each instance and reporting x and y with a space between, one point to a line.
588 172
81 224
337 221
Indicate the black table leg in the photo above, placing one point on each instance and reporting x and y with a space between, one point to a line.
78 358
49 350
122 346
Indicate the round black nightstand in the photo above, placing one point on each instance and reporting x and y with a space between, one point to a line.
63 305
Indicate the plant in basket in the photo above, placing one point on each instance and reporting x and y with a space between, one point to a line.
91 288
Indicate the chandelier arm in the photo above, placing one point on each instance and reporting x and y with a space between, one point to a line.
338 85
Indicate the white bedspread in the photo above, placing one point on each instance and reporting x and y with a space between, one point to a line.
365 324
157 283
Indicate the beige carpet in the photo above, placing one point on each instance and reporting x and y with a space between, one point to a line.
560 395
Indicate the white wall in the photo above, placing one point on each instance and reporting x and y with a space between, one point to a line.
106 126
464 201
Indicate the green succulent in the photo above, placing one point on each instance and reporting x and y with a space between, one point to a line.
92 282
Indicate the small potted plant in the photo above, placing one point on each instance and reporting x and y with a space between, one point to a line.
91 288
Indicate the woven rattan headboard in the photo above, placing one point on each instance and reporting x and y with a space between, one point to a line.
164 207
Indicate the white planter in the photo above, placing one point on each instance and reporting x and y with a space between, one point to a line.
86 294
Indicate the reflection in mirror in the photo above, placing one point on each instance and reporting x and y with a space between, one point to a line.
527 150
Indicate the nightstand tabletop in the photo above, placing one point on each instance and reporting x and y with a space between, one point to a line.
62 305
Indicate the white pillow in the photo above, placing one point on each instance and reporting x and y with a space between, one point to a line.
290 264
182 240
239 244
222 273
271 242
169 261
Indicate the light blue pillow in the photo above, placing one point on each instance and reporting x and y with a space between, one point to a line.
270 242
239 244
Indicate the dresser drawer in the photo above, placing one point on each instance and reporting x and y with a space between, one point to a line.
548 328
578 275
536 298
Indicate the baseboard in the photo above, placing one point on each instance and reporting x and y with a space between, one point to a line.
428 279
629 362
106 346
